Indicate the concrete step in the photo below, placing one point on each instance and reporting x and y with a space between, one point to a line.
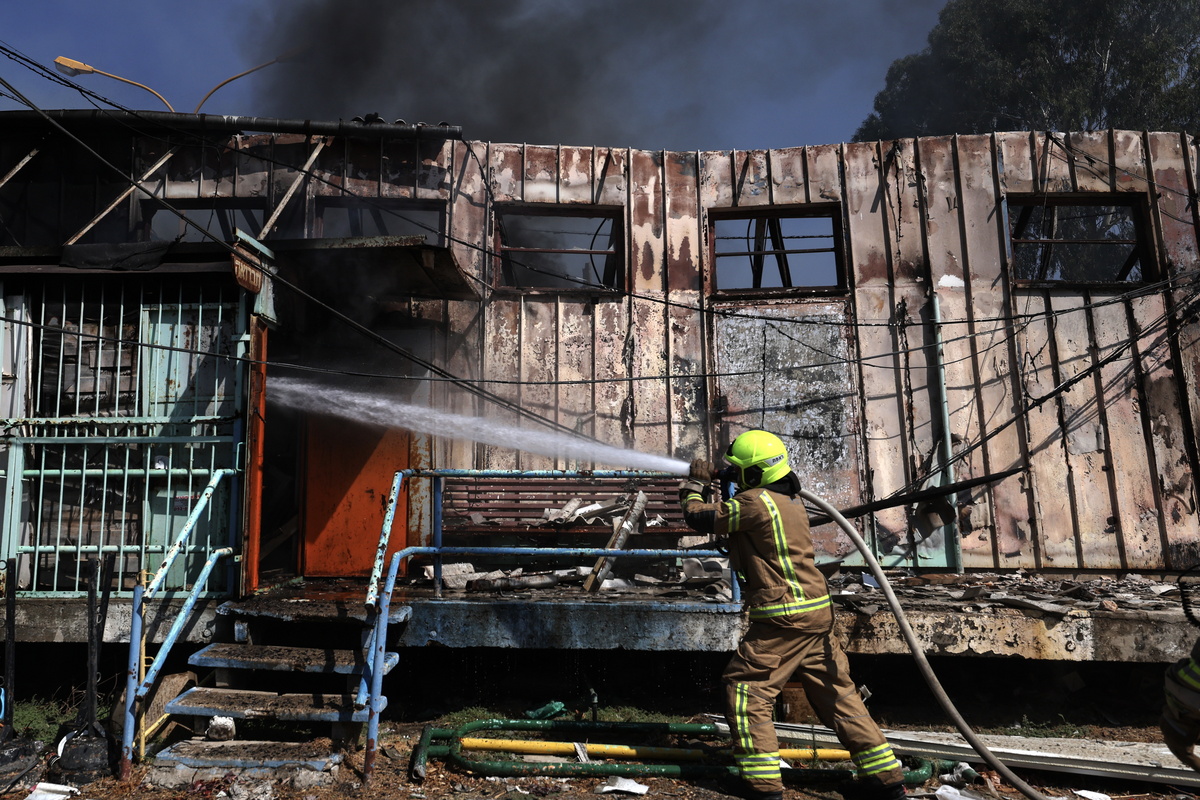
204 701
202 754
231 655
309 609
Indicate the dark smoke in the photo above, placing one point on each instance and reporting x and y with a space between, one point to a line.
674 74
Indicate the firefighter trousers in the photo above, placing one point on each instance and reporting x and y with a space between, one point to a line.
773 652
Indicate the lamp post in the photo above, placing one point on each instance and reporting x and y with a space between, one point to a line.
274 60
71 67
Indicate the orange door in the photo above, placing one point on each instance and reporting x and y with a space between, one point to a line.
349 471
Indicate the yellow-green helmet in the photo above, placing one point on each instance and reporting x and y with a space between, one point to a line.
760 458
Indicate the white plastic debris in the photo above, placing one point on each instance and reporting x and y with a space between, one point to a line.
1086 795
461 568
51 791
220 729
619 784
945 792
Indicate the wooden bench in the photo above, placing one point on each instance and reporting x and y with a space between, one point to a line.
514 510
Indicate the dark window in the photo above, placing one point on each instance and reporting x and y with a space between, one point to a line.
560 250
777 250
357 217
1069 241
218 216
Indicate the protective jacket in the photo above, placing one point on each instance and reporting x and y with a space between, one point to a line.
769 547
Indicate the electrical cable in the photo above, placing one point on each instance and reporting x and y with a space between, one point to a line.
469 385
918 653
354 324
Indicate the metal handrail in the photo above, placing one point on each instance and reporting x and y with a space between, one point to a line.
135 689
185 533
371 681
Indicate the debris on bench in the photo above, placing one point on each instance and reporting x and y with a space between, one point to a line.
565 514
604 563
574 510
490 584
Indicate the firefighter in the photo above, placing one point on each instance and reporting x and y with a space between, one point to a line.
1180 722
790 635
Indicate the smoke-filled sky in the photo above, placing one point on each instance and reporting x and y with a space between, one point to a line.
671 74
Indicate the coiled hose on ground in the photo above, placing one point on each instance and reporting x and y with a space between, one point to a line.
922 663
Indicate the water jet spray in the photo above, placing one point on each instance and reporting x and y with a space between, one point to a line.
378 409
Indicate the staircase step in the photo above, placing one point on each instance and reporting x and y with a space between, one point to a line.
201 753
204 701
308 609
231 655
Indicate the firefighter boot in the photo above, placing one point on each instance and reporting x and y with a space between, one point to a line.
1180 721
871 788
1180 739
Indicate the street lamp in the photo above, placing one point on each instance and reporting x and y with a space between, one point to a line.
274 60
71 67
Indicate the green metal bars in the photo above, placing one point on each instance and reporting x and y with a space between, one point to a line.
123 398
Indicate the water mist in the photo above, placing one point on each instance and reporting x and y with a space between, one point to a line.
385 411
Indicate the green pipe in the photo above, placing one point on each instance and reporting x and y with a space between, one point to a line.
425 749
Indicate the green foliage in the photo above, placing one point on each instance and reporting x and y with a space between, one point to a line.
40 719
995 65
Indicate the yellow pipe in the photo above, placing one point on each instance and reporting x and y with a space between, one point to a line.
630 751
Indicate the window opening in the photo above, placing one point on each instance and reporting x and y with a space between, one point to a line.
562 251
777 251
217 216
1074 242
352 217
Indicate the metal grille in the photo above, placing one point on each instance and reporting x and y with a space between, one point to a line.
128 400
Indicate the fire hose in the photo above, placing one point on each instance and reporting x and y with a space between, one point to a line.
918 654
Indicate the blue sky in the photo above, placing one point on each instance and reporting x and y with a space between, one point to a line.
672 74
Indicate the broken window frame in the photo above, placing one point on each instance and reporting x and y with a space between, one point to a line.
228 211
378 208
767 242
1140 261
611 273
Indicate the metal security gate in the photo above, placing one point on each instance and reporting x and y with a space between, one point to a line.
122 396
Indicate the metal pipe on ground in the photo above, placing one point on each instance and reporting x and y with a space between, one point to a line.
459 741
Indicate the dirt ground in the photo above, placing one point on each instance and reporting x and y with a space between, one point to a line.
391 781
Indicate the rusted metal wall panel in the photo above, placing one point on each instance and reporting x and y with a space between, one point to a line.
1174 207
948 278
689 434
810 399
984 243
502 361
884 413
1160 413
574 366
1092 161
1057 544
649 319
612 176
751 178
788 179
1086 440
541 174
575 175
468 219
537 369
912 313
1127 470
506 173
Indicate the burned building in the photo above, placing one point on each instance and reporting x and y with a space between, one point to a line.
1012 314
